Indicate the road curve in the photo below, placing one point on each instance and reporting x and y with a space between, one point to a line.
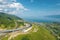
18 29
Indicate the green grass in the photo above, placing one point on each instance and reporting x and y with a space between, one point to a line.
8 21
4 37
41 34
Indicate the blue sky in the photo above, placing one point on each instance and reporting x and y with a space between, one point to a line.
30 8
39 8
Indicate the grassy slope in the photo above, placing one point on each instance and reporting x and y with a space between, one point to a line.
41 34
55 27
9 21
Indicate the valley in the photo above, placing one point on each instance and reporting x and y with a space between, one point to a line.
15 28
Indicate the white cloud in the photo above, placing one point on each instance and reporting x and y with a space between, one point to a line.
11 6
17 5
1 0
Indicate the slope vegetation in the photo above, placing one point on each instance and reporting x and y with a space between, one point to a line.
10 21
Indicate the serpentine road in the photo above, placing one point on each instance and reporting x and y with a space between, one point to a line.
18 29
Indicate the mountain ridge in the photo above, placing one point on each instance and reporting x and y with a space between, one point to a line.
8 20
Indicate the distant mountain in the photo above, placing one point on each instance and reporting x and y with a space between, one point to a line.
54 16
43 19
8 20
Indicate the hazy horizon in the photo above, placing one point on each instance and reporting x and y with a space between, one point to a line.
35 9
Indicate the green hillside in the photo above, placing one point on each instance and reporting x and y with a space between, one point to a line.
9 21
55 27
36 33
39 31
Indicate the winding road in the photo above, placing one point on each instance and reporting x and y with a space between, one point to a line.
18 29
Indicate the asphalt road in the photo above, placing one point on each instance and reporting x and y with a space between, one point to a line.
18 29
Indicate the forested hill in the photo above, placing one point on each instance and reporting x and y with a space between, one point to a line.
8 20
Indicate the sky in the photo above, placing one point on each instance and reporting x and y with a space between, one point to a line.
38 8
30 8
